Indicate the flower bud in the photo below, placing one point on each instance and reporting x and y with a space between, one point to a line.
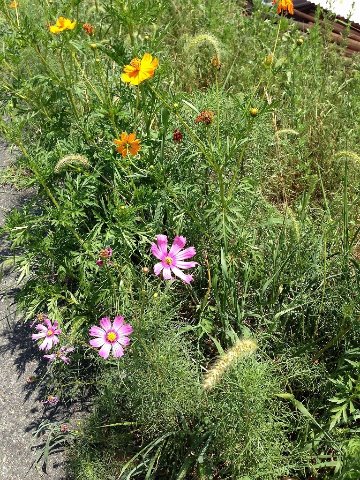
177 136
268 60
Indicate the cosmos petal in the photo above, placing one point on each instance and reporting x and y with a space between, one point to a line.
117 350
105 323
118 322
185 278
178 244
104 351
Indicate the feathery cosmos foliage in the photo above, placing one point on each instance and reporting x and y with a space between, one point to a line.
183 175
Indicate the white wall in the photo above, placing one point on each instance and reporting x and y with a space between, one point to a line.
342 7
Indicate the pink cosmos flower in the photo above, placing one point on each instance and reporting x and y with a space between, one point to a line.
51 400
60 354
49 332
173 261
111 336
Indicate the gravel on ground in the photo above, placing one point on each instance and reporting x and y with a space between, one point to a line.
21 407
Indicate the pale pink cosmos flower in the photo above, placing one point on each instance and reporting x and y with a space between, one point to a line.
60 354
51 400
49 332
111 336
172 261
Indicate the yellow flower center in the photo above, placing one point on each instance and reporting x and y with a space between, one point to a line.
135 62
111 337
168 260
50 332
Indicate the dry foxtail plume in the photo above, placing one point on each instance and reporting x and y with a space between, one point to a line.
78 160
241 349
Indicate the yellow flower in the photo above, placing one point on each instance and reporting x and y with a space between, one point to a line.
62 24
140 70
284 6
13 4
127 143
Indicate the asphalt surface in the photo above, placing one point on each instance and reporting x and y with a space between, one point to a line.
21 407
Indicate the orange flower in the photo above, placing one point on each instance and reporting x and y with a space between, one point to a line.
205 116
140 70
88 28
62 24
284 6
127 143
13 4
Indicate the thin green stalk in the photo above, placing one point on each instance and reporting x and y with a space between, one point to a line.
68 86
218 110
223 206
342 333
46 189
346 215
196 140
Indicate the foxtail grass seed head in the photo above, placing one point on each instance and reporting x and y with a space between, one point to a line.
70 161
204 39
241 349
286 131
348 154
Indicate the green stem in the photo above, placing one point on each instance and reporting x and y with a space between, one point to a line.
196 140
218 110
68 86
223 206
342 333
46 189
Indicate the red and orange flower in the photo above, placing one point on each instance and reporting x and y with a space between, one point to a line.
88 29
127 144
284 6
